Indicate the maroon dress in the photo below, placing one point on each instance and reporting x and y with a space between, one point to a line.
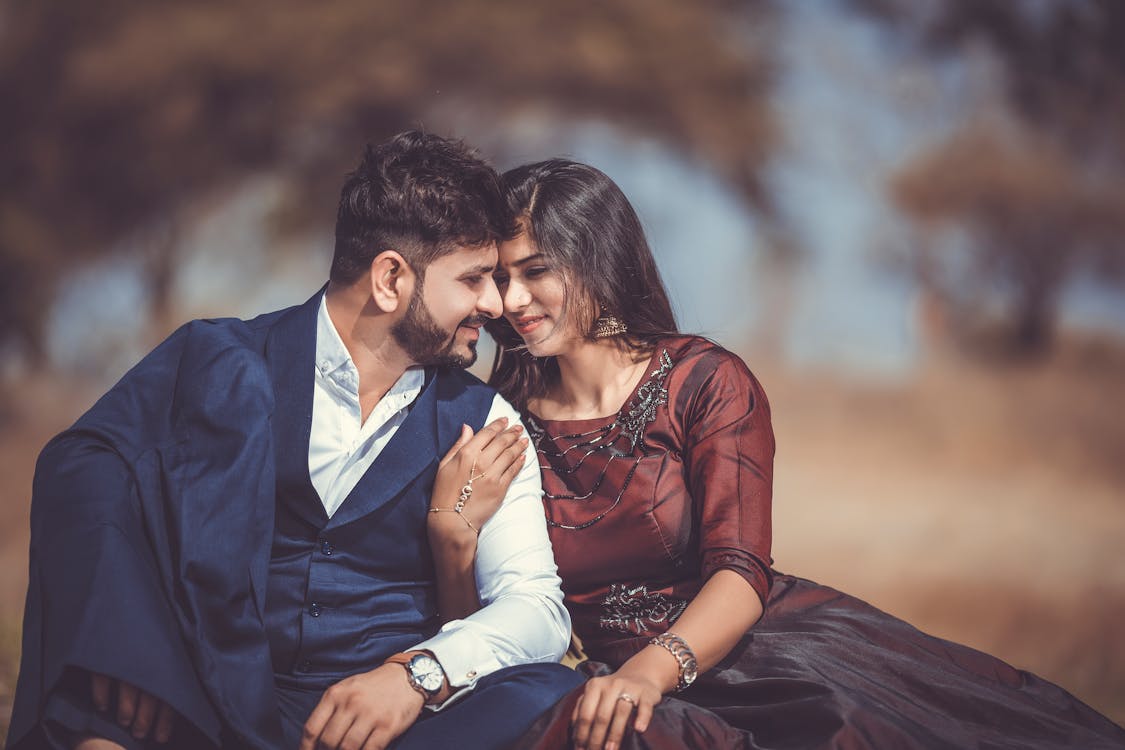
645 505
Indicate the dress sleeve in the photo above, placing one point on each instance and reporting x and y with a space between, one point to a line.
728 459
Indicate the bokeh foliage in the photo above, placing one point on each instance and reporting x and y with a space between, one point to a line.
120 115
1037 180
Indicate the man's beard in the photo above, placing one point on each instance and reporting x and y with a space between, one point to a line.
425 342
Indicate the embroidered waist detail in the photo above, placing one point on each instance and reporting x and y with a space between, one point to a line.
634 610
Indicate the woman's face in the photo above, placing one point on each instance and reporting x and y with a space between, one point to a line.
535 298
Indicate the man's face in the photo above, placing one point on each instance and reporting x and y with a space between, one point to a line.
442 322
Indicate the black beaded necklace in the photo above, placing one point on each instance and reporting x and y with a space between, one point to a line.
628 425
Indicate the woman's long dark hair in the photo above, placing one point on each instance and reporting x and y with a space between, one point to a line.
582 222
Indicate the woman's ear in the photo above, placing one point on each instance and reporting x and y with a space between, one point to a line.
392 280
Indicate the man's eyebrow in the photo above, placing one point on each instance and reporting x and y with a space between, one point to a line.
483 268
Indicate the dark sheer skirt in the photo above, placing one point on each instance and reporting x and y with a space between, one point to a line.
825 670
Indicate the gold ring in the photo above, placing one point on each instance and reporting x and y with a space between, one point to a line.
627 698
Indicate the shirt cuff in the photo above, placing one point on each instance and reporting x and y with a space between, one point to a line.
464 658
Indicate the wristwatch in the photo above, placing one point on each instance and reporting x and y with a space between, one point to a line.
423 671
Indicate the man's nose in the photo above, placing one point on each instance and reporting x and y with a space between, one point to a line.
489 302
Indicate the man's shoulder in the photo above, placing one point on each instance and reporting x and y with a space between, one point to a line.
204 339
230 331
267 320
232 343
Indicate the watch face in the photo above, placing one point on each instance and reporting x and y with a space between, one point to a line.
427 673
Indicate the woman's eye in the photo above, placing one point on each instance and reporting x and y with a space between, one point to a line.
500 280
536 271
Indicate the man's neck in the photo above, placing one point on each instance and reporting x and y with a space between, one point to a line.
365 331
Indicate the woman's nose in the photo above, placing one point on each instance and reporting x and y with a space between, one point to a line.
515 297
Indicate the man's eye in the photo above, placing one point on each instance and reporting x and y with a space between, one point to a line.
473 280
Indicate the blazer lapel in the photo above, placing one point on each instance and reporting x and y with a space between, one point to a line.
412 449
291 351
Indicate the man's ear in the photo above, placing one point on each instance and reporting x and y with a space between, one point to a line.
392 280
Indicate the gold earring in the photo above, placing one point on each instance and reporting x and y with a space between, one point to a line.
607 326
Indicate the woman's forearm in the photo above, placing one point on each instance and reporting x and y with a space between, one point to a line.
720 614
471 483
454 571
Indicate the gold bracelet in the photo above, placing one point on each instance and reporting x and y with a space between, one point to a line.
685 657
459 512
463 498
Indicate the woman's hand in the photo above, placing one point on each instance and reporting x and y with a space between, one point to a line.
478 468
607 705
485 463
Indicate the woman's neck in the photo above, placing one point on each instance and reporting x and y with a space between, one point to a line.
595 379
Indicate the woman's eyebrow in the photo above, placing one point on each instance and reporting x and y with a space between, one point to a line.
528 259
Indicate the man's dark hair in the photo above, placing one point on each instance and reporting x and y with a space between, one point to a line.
419 194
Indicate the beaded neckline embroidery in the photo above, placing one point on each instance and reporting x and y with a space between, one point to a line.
627 427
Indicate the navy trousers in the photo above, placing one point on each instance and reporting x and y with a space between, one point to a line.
131 636
501 706
499 709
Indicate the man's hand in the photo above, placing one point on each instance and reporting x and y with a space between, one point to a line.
365 711
137 711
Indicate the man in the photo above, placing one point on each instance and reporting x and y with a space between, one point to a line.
231 548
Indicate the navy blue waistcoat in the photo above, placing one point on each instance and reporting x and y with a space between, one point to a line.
347 592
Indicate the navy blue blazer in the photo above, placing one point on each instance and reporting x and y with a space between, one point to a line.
154 516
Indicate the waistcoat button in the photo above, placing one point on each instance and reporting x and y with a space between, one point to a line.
314 609
326 548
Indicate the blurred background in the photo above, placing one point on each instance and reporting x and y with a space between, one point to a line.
907 215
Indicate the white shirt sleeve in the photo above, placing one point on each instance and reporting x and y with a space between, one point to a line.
523 618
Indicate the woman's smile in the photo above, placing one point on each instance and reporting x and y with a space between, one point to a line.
525 324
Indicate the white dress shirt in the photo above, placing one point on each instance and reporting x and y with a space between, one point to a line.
522 618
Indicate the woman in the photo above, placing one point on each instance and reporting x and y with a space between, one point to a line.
656 451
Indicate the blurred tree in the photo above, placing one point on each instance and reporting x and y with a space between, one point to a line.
1040 188
120 115
1035 218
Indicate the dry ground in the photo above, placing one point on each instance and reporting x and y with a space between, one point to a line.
986 506
982 504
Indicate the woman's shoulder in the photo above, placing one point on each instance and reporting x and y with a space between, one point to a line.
704 374
696 353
